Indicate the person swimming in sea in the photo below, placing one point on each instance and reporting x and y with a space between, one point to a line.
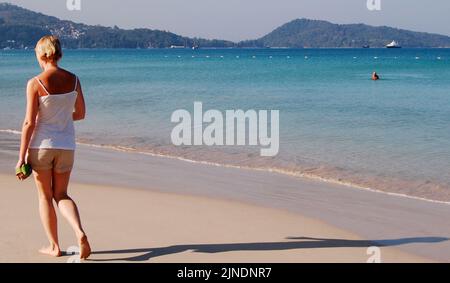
375 76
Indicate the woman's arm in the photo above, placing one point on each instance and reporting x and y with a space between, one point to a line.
29 123
79 112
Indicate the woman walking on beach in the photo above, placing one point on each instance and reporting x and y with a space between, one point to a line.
54 101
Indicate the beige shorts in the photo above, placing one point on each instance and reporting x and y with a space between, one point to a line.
58 160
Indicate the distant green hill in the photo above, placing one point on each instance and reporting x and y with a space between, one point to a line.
302 33
21 28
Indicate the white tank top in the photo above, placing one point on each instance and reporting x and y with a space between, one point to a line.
54 123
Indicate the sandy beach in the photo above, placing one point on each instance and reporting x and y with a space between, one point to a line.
215 214
129 225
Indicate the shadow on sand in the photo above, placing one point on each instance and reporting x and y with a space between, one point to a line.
292 243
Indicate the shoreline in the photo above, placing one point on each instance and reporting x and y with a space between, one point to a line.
281 171
421 227
268 170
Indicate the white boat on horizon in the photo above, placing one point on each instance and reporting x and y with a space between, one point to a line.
393 44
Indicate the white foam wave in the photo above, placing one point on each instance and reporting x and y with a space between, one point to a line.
10 131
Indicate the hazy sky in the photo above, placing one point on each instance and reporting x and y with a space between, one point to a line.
246 19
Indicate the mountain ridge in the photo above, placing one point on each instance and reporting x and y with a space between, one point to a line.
318 33
21 28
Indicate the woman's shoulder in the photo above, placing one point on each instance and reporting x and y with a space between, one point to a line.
33 82
32 87
68 73
70 76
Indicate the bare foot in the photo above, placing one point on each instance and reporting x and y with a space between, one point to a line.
85 248
51 251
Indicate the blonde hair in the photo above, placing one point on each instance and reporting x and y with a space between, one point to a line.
48 48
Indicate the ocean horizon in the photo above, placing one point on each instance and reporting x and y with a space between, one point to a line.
336 124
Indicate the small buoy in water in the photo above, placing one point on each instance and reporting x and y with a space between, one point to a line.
207 56
355 57
253 57
306 57
289 57
417 58
439 58
375 57
221 56
270 57
237 57
375 76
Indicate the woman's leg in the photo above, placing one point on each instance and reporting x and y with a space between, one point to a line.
47 211
69 210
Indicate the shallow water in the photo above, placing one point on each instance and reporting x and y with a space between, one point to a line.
335 123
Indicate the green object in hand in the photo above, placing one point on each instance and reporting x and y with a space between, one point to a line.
25 169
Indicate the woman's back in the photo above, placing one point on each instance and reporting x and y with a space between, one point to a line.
56 81
54 124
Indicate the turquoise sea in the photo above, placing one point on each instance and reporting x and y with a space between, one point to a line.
335 123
